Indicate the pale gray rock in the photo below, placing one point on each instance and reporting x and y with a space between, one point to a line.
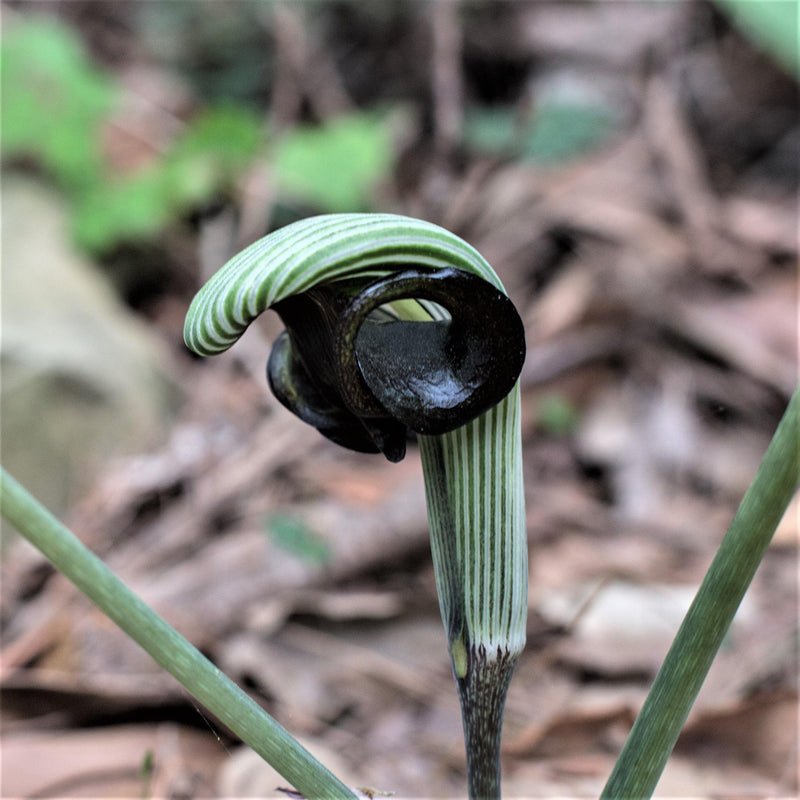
82 378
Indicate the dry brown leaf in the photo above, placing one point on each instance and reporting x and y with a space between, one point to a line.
572 733
760 732
108 762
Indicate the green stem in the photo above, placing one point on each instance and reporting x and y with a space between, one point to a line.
220 695
678 682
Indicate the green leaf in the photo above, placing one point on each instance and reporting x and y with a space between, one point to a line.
561 131
557 415
54 100
133 207
54 104
217 145
557 132
491 131
297 538
336 165
774 25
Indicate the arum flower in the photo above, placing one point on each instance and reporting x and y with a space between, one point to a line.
396 328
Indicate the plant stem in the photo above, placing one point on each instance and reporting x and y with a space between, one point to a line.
220 695
473 485
482 693
678 682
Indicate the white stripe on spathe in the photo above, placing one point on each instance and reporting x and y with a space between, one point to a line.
314 250
480 502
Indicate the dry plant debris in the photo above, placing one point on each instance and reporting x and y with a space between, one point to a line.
657 276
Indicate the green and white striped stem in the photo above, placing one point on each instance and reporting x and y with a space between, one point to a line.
329 278
476 513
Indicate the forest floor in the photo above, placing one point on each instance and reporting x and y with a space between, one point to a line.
657 277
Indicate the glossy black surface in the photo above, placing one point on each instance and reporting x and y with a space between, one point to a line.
366 382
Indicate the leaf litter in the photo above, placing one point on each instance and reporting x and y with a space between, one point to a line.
657 275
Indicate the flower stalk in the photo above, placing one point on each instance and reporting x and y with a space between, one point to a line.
396 328
473 483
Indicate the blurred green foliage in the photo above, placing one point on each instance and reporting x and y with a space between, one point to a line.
216 146
336 164
295 537
557 132
557 415
54 101
774 25
56 104
491 131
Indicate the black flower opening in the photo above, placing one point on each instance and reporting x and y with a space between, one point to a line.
368 382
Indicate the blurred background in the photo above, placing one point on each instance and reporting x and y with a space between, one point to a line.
630 169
